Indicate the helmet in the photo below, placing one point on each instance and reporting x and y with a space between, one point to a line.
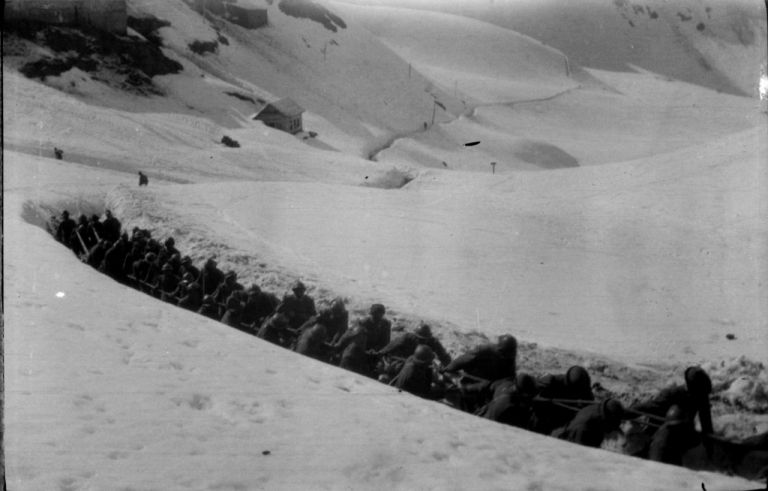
254 289
167 267
424 331
525 384
697 381
188 277
508 344
186 260
612 410
377 308
298 285
337 305
65 214
230 274
675 414
233 303
194 286
150 256
82 219
208 300
169 242
577 378
424 353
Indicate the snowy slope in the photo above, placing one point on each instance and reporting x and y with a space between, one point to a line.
709 43
649 261
330 73
644 116
109 389
475 59
652 258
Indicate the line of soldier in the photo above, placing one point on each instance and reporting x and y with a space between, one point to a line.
483 381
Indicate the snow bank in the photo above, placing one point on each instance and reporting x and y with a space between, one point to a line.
107 388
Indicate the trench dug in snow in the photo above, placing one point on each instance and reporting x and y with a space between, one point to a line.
122 203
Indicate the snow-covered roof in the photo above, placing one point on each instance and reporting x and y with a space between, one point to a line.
285 106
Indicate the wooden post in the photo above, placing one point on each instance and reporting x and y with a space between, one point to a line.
434 104
493 167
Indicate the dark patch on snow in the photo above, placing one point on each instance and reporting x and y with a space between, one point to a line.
133 60
683 17
148 27
308 9
700 26
203 47
244 97
53 67
229 142
544 155
222 39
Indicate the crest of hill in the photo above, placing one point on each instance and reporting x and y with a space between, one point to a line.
470 57
719 45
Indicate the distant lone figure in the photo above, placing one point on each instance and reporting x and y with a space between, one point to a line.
59 153
143 179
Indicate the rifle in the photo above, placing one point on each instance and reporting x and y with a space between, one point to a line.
82 244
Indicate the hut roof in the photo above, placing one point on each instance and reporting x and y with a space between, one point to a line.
285 106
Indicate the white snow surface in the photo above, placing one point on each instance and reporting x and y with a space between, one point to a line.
107 388
651 257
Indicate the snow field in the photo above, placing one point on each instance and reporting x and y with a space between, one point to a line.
107 388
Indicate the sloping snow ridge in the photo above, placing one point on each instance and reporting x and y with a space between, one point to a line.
650 257
107 388
709 43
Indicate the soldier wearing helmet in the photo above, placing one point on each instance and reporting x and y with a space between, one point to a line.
275 329
258 306
379 328
209 308
233 310
210 277
512 402
353 346
298 307
673 438
227 288
192 297
574 384
417 375
335 318
591 424
65 229
404 345
692 399
311 342
167 283
111 227
489 362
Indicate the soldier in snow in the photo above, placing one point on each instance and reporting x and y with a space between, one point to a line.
298 307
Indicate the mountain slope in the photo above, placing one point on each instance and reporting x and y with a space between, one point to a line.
720 45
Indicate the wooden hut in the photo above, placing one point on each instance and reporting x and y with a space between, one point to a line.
284 114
